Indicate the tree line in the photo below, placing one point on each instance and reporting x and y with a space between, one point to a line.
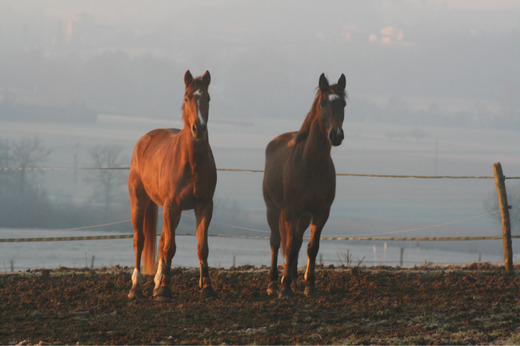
26 203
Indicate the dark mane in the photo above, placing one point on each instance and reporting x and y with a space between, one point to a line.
306 126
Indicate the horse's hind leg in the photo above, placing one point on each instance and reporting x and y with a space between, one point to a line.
137 215
318 222
167 249
203 214
273 219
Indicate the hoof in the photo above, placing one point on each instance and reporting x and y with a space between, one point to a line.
162 293
135 294
286 293
208 292
312 292
272 289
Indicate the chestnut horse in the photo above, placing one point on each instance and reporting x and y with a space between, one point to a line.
300 184
174 169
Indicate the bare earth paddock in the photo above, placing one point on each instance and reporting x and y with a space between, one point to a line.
473 304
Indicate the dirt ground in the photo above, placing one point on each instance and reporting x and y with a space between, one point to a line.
475 304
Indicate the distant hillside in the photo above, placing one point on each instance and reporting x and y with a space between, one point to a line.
46 113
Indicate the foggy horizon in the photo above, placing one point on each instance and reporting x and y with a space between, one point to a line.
408 61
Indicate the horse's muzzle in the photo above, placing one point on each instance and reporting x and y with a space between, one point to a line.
199 130
336 136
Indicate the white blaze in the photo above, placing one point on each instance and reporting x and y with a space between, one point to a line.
198 93
333 97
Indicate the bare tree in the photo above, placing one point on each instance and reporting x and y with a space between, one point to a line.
105 178
25 154
22 202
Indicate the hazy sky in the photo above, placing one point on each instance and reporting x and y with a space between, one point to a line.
265 56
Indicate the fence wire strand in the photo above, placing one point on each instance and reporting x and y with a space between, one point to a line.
359 237
425 227
398 176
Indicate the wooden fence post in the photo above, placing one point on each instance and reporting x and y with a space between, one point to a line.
504 213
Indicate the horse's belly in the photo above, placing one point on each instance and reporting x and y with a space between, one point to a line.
185 198
308 196
319 203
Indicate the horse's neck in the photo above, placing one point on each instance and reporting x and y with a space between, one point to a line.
193 149
317 146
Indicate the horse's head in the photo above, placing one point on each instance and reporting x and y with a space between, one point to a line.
196 104
332 108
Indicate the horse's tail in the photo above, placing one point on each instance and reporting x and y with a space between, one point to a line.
283 233
150 233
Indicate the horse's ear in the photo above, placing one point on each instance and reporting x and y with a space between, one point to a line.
188 78
342 82
324 83
206 78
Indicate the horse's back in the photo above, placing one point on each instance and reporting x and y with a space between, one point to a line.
146 148
150 142
280 144
157 135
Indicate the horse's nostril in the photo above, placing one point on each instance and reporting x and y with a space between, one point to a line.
336 136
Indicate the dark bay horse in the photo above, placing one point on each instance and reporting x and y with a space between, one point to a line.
174 169
300 184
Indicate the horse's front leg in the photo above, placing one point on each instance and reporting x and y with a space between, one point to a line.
135 291
291 260
167 248
301 226
318 222
292 243
203 214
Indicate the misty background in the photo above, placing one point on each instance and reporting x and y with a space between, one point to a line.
434 89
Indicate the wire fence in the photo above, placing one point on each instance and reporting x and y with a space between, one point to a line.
247 170
382 236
